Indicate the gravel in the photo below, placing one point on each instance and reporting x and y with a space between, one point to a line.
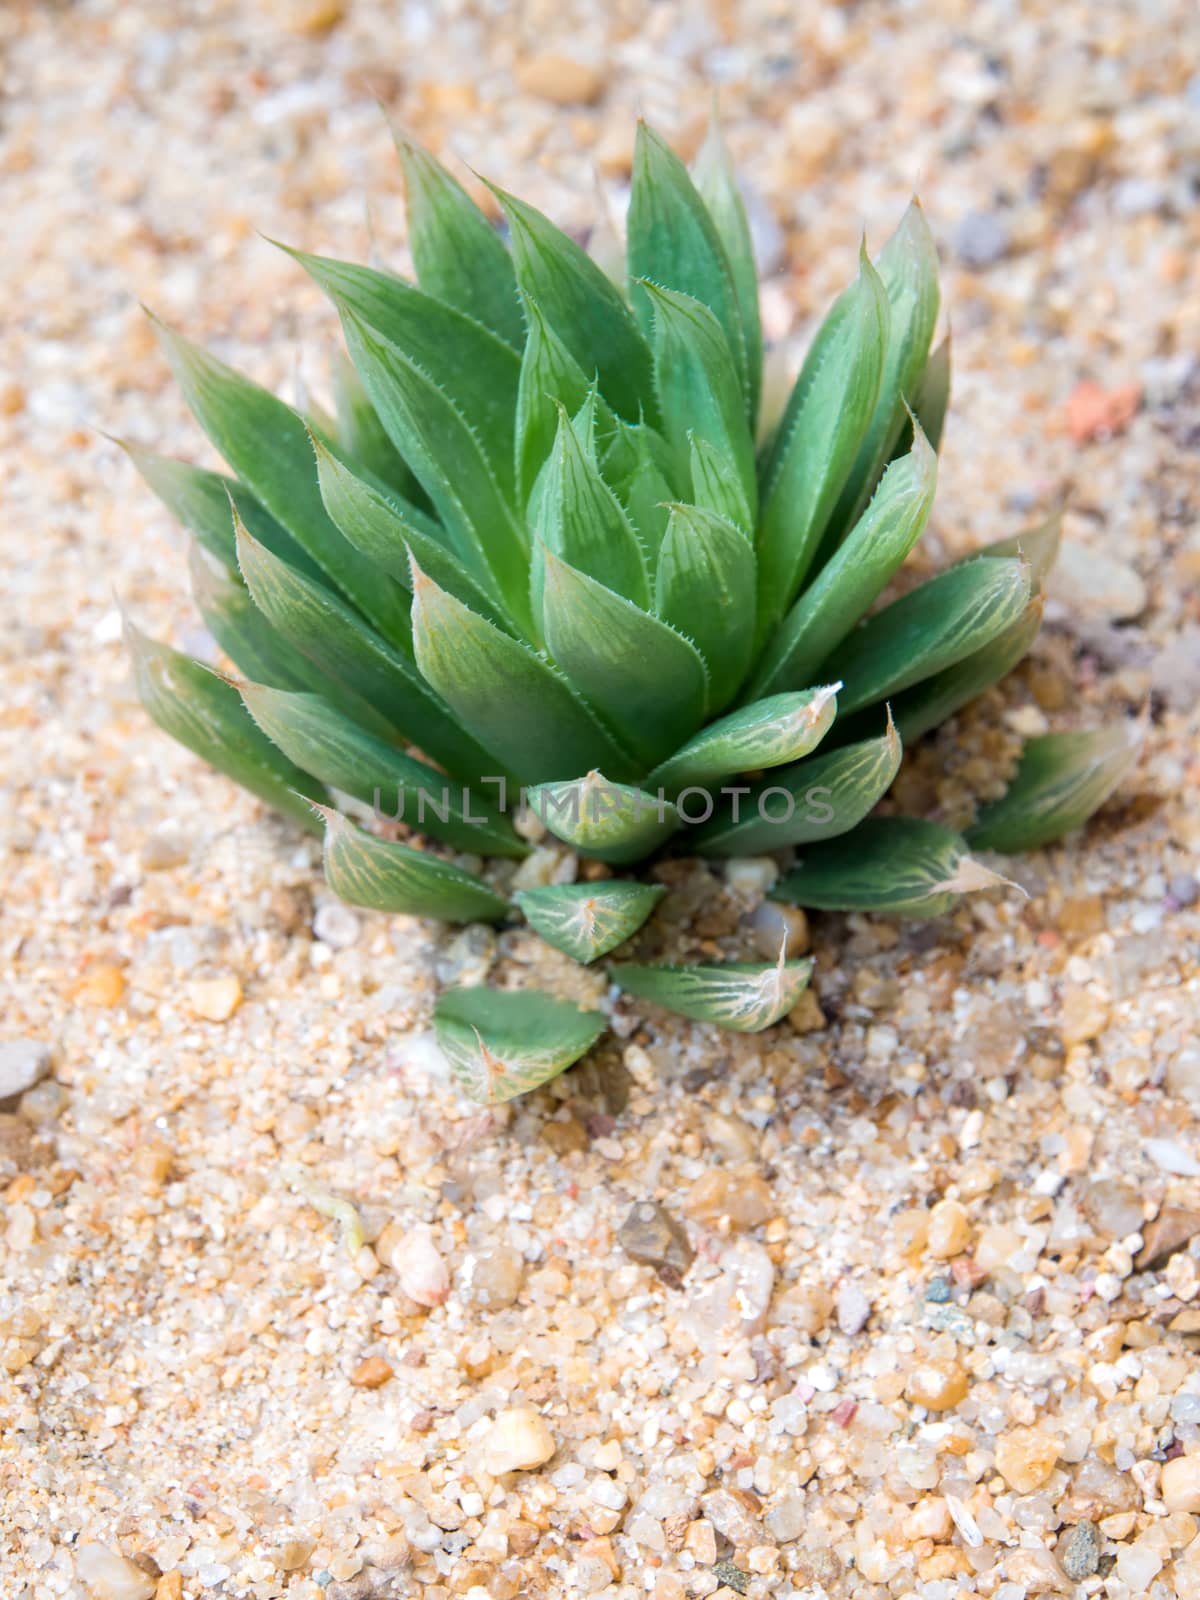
252 1188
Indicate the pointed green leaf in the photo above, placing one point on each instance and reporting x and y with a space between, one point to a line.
504 1042
769 733
716 486
637 466
240 628
902 866
476 370
938 623
818 438
647 681
931 402
743 996
361 434
397 786
1062 779
908 266
854 577
449 463
609 821
928 703
387 694
267 445
705 587
458 254
550 377
672 241
582 307
203 712
1037 545
580 519
365 870
510 698
587 920
200 500
700 389
389 531
827 795
717 183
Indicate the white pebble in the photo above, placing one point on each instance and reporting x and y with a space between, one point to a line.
517 1441
108 1576
336 925
418 1263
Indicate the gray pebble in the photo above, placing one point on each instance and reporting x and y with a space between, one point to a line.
853 1308
982 239
1184 889
22 1063
939 1291
1080 1556
650 1235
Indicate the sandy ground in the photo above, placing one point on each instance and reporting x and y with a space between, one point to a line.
934 1340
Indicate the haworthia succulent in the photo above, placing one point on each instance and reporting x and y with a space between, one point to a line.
929 703
904 866
1038 546
203 712
535 543
267 445
458 254
699 387
579 518
478 371
672 242
449 463
582 307
610 821
820 798
201 501
398 786
743 996
394 534
932 627
502 1043
769 733
240 628
513 700
587 920
717 183
818 438
365 870
550 377
648 682
907 267
1061 780
362 436
855 574
705 588
394 697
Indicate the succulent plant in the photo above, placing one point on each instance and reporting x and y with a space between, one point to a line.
546 554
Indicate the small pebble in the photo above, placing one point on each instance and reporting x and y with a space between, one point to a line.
949 1230
939 1291
1025 1458
23 1062
336 925
1180 1484
773 924
853 1308
981 239
1080 1553
652 1237
937 1386
371 1373
517 1441
1184 889
420 1266
739 1193
562 80
109 1576
214 999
